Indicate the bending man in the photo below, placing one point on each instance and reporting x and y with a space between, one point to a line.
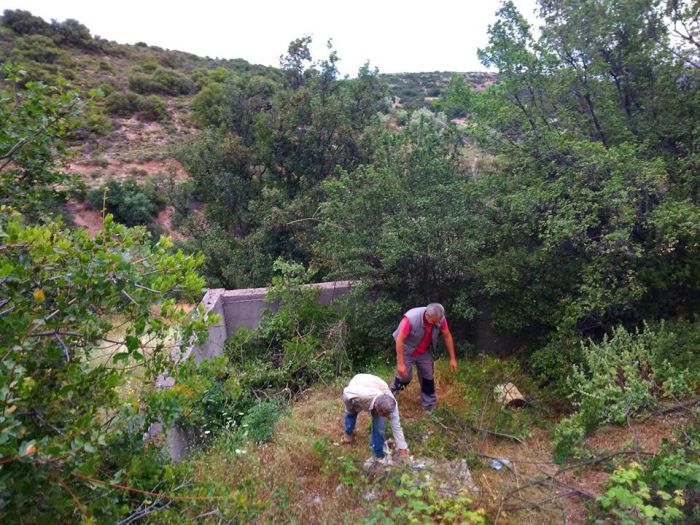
371 393
415 337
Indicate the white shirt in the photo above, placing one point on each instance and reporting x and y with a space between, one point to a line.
361 394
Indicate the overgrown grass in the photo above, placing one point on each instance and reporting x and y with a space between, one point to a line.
304 475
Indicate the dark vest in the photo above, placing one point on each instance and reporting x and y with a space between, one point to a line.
415 336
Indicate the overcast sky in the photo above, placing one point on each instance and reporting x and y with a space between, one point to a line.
395 36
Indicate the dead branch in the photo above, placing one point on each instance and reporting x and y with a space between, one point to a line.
673 408
552 477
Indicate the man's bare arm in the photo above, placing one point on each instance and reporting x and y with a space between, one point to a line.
400 363
449 343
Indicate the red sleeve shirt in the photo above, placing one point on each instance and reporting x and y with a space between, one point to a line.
405 329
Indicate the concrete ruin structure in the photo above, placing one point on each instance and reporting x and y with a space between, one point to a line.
245 308
236 308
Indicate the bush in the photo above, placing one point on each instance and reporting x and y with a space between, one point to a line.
25 23
123 104
73 33
65 416
203 77
290 350
153 108
551 364
259 422
105 66
131 204
38 48
211 106
162 81
401 117
106 88
664 490
625 374
95 122
421 502
148 66
148 108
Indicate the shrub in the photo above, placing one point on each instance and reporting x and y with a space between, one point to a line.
568 436
38 48
131 204
95 122
203 77
105 66
73 33
291 349
162 81
211 107
106 88
24 23
153 108
123 104
420 502
64 418
551 364
259 422
624 375
148 108
664 490
401 117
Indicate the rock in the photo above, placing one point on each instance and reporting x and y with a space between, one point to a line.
508 395
370 495
451 478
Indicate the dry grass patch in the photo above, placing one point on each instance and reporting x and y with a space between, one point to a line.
304 474
296 477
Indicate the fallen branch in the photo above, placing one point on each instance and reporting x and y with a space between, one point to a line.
673 408
145 492
497 434
552 477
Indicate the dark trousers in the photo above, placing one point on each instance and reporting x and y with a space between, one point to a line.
378 430
426 375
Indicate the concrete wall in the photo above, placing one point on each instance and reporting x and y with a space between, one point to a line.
236 308
244 308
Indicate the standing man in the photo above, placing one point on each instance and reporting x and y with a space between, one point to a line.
371 393
415 337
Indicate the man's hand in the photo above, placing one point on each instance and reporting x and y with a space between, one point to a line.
453 365
403 451
401 369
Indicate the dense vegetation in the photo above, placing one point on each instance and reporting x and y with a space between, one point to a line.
557 208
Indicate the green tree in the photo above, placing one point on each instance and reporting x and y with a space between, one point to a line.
259 165
595 123
456 99
36 119
404 223
65 432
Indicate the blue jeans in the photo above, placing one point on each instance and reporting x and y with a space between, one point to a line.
378 430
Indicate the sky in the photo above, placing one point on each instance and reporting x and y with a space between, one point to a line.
395 36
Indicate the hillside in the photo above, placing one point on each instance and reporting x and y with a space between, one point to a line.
142 116
416 90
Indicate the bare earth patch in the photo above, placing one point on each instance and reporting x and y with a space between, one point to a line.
84 217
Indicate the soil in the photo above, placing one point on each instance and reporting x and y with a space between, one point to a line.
84 217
